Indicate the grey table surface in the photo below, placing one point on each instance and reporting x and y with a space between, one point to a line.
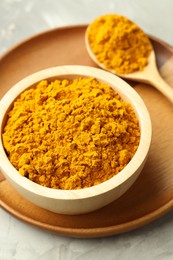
20 19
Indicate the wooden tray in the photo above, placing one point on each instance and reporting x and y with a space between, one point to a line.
152 194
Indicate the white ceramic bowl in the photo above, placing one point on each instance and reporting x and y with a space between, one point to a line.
92 198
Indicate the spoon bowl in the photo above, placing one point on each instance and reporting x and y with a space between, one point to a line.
149 74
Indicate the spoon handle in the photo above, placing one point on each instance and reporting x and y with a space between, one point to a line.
159 83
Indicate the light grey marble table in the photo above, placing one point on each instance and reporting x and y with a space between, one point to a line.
20 19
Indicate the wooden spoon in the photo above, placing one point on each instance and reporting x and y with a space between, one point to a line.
149 74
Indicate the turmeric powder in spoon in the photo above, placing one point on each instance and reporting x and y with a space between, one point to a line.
118 43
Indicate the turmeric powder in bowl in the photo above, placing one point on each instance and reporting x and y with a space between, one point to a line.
70 134
118 43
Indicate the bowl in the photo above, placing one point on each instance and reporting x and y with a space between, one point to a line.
85 200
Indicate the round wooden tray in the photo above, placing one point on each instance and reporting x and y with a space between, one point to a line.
152 194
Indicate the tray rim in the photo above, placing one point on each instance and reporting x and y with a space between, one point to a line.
85 232
72 26
93 232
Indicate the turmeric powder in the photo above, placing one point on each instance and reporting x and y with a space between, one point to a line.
119 44
70 134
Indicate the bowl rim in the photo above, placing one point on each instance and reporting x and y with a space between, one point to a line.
125 91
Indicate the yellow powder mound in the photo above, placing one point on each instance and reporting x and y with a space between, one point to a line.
70 134
119 44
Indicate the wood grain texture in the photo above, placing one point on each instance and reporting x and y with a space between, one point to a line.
152 194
